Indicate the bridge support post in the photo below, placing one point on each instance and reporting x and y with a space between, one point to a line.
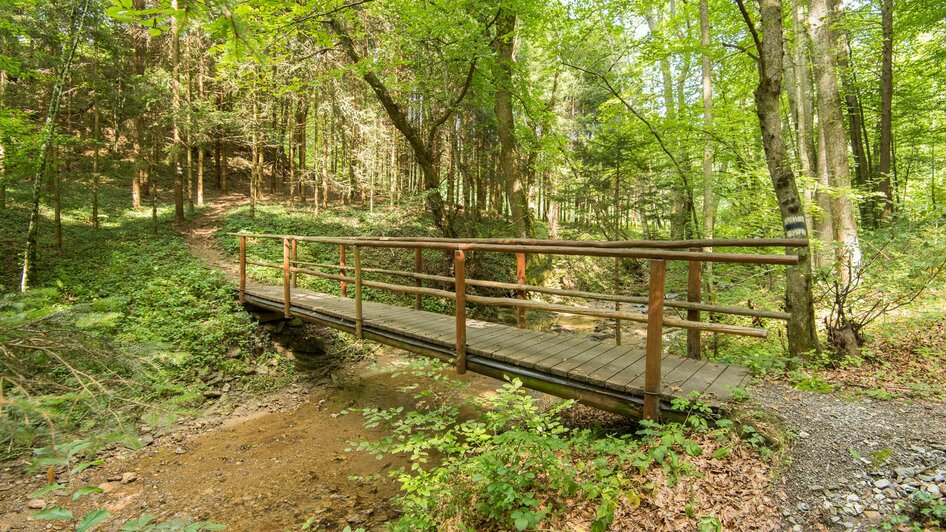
694 296
655 318
617 304
341 262
295 257
459 272
242 269
521 279
286 291
418 268
359 320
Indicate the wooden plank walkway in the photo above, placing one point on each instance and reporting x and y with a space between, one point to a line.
581 366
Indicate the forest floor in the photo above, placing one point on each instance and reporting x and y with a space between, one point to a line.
285 460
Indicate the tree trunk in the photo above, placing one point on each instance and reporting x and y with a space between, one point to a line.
28 272
176 107
708 152
802 333
886 110
510 171
831 120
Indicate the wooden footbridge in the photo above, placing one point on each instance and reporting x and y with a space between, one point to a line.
630 381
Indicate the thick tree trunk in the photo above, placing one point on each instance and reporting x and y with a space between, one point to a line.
802 333
508 165
831 120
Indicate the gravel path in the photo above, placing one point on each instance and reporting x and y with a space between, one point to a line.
856 464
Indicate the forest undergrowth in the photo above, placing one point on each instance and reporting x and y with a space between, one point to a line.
124 331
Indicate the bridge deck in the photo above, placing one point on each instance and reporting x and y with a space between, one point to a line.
566 364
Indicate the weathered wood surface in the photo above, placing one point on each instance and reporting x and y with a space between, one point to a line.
572 357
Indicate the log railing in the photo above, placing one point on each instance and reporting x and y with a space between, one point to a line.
657 253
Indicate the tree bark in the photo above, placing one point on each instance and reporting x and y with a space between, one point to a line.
176 107
28 272
508 165
831 119
886 110
802 333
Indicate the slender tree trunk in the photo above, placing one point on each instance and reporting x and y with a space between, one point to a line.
831 121
202 95
176 107
28 272
802 332
95 167
886 110
709 201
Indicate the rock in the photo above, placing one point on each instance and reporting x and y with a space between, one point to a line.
804 434
882 483
933 490
179 450
36 504
147 440
212 394
129 477
803 506
295 322
108 487
905 472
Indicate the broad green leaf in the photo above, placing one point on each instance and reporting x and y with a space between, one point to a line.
85 491
91 519
52 487
56 513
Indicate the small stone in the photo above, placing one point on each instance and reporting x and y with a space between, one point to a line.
36 504
882 483
129 477
803 434
933 490
179 450
212 394
816 487
147 440
108 487
803 506
852 498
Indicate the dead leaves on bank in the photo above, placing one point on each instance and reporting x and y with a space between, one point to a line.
728 493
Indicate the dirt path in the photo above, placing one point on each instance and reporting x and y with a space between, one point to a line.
855 464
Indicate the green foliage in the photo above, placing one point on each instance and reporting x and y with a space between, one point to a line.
123 327
512 464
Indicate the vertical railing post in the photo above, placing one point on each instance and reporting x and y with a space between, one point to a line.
341 262
694 296
617 304
286 291
521 279
459 276
359 320
295 257
242 269
418 268
655 318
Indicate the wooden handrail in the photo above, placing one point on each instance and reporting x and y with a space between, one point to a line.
634 253
639 300
604 244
